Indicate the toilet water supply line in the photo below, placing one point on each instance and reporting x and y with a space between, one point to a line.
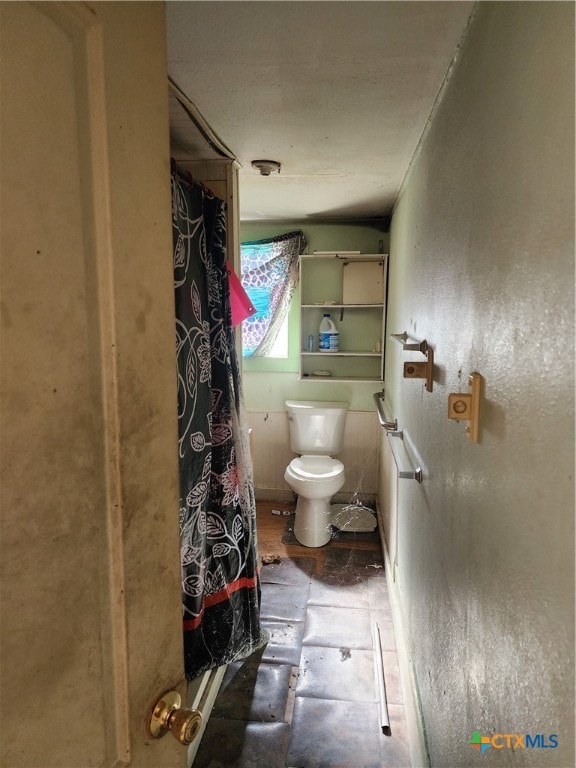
380 683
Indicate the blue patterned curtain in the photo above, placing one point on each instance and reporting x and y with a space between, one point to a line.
269 277
217 509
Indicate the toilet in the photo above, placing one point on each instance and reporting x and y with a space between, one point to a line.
316 433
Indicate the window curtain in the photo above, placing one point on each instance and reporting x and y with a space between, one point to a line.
269 276
220 586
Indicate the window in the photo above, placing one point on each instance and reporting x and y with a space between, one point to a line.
269 277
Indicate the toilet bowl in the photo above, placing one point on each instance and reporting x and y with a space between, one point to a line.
316 432
315 479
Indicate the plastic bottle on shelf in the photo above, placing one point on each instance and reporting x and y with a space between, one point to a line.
328 338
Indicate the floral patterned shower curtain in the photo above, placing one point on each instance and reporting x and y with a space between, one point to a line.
217 509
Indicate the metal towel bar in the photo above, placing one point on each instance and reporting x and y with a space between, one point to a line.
409 344
414 370
388 424
401 459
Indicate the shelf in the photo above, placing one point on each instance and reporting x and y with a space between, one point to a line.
331 284
341 306
345 256
310 377
327 355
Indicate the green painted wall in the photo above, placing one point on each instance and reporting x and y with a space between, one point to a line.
268 383
482 266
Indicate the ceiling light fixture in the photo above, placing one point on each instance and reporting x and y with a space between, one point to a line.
266 166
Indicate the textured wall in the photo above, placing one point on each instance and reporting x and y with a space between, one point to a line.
482 267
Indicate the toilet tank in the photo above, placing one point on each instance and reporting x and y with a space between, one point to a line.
316 426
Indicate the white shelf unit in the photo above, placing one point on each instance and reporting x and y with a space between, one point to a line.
325 281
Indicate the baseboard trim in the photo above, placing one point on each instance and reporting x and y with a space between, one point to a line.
412 710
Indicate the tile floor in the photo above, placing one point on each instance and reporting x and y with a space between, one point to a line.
309 699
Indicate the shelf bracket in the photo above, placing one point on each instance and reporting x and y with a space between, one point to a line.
465 406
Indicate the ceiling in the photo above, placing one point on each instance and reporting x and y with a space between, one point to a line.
338 92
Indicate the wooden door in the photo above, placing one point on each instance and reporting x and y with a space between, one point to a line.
91 616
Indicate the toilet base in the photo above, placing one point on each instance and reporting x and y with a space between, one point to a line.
312 522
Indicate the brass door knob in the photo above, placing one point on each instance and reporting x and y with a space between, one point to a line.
168 715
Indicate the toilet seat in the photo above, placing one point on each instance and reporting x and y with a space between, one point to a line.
316 468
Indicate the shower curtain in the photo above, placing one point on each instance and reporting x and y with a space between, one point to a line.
220 584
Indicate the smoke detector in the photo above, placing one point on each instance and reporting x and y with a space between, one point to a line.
266 166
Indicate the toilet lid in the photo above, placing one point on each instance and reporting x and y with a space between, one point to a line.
316 467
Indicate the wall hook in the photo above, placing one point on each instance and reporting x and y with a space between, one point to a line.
422 370
465 406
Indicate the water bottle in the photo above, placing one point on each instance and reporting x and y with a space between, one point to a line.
328 337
